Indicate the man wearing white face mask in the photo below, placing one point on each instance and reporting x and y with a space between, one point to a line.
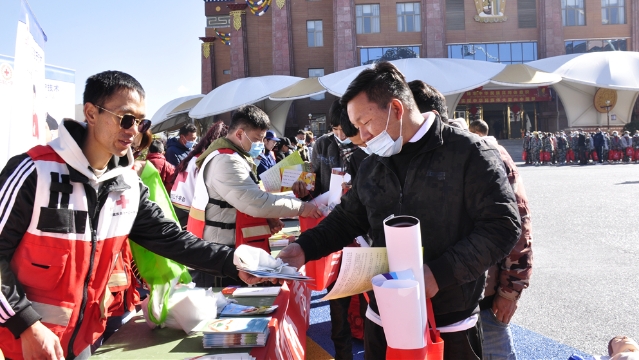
330 151
449 179
232 190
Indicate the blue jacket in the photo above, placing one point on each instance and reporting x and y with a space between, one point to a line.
599 140
267 161
175 151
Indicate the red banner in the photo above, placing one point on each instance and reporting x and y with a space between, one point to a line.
505 96
289 323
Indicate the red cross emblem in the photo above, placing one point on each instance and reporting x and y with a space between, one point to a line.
122 202
181 178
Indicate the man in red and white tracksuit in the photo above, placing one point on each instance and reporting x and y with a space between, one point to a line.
67 210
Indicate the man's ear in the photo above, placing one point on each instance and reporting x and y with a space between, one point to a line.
90 113
398 108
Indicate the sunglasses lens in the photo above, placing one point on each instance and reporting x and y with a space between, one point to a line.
144 125
127 121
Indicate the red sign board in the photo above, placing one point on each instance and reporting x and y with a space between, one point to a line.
505 96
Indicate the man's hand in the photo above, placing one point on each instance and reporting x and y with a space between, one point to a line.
38 342
275 224
252 280
311 210
299 189
430 283
503 308
293 255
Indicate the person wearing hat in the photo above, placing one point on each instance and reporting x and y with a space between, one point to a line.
267 158
284 150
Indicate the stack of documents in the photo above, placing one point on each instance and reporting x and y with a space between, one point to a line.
235 332
272 273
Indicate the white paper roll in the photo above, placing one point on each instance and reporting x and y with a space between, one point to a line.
403 330
404 246
335 189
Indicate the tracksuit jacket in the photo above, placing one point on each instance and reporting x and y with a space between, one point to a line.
61 230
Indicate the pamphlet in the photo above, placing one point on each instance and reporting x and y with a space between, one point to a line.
359 265
272 178
232 309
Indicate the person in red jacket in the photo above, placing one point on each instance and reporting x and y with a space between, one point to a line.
166 170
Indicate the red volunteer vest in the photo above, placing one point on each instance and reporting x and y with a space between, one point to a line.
249 230
58 256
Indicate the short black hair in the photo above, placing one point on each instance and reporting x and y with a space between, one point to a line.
156 146
381 83
251 117
100 87
428 99
301 132
335 113
347 127
187 129
479 127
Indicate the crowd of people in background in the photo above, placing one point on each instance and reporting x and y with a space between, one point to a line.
580 147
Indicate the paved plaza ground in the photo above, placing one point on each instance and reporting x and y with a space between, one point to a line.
585 284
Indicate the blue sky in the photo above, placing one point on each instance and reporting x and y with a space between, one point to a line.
155 41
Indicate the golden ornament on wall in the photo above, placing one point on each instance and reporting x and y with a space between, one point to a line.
237 18
206 49
280 3
490 11
217 8
605 98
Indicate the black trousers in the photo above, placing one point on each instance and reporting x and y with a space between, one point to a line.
599 150
462 345
340 327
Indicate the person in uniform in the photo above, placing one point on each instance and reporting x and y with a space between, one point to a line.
535 148
562 147
615 144
626 143
526 145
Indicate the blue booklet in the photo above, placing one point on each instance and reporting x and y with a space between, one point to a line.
243 310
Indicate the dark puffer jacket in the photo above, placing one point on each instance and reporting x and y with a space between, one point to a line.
457 187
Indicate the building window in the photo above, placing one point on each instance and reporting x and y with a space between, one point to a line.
613 12
372 55
506 53
226 72
408 17
527 14
367 17
584 46
314 33
455 15
573 13
316 73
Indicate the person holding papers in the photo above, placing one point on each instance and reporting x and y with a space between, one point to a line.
233 197
267 158
453 182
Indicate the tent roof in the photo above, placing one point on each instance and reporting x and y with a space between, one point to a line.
173 108
236 93
522 75
449 76
607 69
300 90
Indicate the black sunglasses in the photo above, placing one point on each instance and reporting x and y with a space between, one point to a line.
127 120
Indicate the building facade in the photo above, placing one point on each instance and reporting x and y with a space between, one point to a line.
309 38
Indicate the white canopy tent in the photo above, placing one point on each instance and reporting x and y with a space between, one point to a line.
520 76
174 114
452 77
584 74
244 91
